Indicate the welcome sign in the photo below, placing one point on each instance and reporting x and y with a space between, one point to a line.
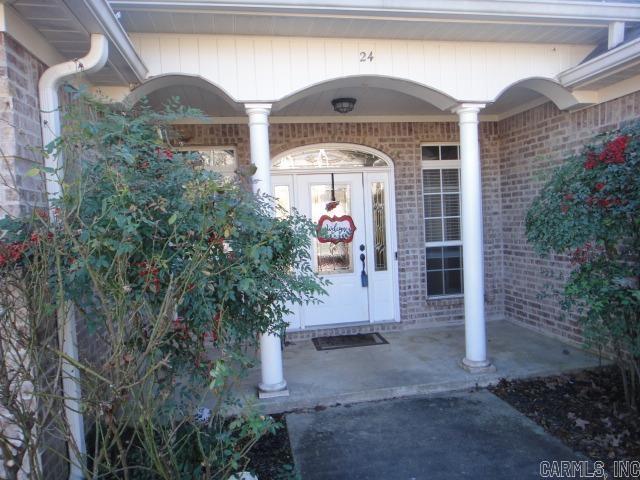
335 229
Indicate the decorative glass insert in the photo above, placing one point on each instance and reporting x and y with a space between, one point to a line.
332 258
441 197
444 270
283 200
333 158
379 226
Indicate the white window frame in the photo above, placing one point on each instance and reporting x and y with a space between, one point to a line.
227 171
440 165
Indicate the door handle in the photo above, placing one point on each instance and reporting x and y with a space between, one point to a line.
364 278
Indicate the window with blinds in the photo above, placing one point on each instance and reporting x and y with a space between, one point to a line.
217 159
441 197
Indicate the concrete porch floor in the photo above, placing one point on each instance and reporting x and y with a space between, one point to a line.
413 362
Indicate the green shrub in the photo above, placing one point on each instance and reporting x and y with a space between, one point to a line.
176 270
590 211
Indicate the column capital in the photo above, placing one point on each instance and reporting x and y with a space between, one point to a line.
257 108
468 107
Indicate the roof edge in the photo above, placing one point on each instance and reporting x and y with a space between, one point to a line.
113 30
610 62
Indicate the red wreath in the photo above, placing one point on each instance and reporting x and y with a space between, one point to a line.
343 218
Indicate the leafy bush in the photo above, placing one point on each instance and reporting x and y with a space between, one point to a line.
590 211
175 269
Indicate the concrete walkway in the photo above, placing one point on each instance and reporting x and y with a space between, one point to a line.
461 436
414 362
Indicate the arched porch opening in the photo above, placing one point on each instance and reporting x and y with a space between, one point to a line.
375 95
192 90
531 90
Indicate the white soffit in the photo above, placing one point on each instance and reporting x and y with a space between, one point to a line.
541 21
142 21
67 25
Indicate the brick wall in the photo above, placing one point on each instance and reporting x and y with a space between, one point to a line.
20 138
20 144
517 155
532 144
401 142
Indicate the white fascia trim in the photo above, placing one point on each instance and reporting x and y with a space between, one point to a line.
119 39
13 24
605 64
547 10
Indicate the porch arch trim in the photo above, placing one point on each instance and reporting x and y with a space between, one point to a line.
562 97
181 79
403 85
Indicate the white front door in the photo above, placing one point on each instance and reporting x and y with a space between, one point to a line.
347 300
360 271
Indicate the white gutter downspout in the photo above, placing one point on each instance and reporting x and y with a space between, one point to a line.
48 86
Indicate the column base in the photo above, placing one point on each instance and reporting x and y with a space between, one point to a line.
273 391
475 367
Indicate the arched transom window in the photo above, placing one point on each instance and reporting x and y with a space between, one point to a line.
330 157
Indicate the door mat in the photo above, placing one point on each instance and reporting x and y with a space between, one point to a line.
348 341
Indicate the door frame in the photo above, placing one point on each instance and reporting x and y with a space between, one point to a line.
389 169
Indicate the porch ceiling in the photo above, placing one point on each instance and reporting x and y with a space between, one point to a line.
369 101
197 97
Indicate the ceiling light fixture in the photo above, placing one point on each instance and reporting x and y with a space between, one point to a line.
343 105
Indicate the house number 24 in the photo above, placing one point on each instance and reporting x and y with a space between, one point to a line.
366 56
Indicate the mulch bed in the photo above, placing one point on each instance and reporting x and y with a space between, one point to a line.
585 410
271 458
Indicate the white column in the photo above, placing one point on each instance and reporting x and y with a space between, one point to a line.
475 359
273 383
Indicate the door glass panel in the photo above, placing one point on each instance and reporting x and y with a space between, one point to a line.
283 200
379 226
332 257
